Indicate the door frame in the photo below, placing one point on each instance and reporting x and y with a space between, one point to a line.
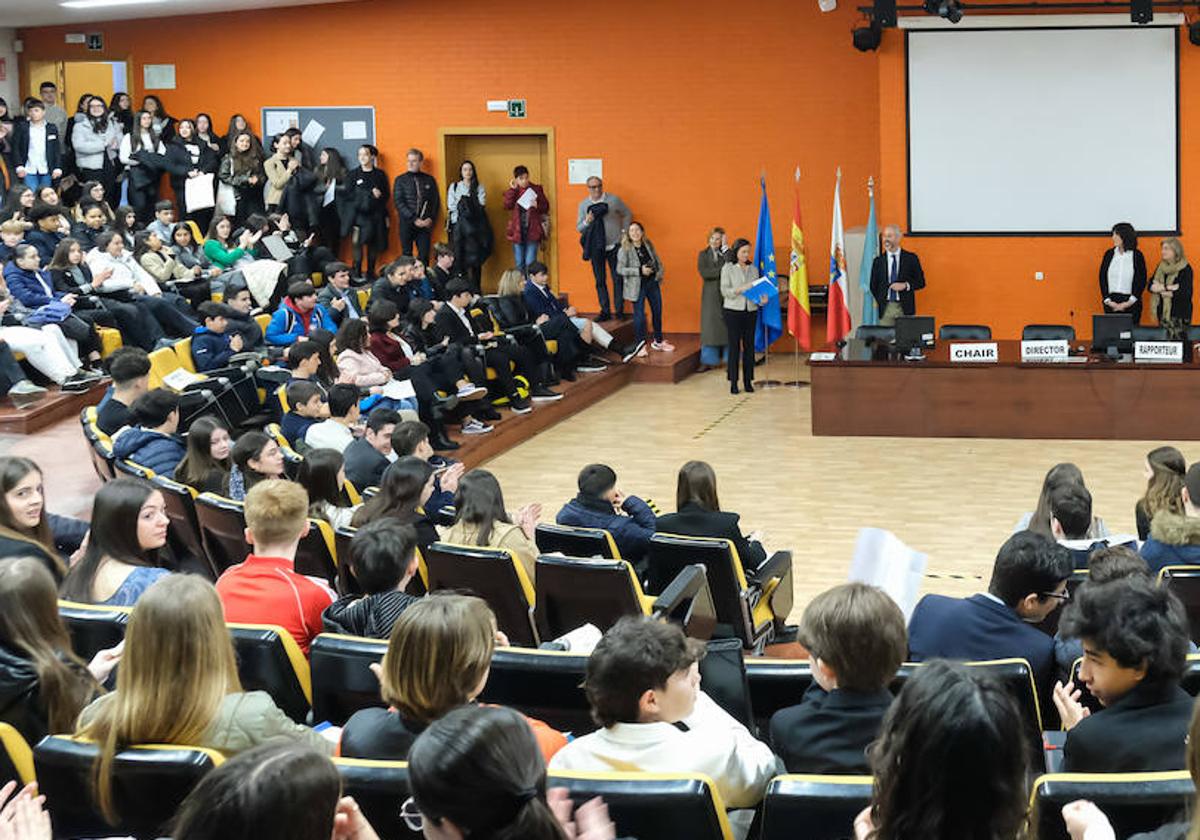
60 76
550 175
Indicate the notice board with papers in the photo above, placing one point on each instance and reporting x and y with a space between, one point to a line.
342 127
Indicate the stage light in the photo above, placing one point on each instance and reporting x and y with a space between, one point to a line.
867 38
1194 32
885 13
1141 11
951 10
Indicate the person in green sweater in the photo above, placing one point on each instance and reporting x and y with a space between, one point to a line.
219 246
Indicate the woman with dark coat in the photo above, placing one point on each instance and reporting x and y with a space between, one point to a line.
1123 273
1171 289
712 320
364 216
470 231
190 157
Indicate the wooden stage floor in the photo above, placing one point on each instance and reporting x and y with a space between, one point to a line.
955 499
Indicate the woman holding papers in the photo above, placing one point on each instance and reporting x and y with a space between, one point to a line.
642 272
741 313
357 365
1123 273
528 218
190 158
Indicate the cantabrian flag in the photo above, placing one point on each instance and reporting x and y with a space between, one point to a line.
837 325
799 312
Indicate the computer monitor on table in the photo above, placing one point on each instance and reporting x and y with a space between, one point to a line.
1112 334
913 332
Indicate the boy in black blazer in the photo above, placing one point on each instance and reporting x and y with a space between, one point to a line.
44 166
1135 641
856 640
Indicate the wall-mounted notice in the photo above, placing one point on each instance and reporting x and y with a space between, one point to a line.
580 169
158 76
354 130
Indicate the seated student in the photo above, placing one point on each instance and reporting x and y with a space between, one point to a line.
297 316
129 368
205 467
950 761
383 559
508 309
70 275
27 529
394 285
94 223
129 526
307 404
1029 581
643 679
46 232
601 505
1038 520
453 637
1175 538
1135 637
177 629
212 345
856 640
322 476
358 366
1070 521
336 296
163 222
541 301
240 314
368 456
411 437
336 432
153 254
12 234
265 588
256 457
1165 469
481 519
43 685
403 495
439 275
152 441
304 360
128 282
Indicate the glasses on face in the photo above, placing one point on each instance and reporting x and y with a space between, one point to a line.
411 816
1060 596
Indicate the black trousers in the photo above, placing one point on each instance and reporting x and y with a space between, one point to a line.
740 326
142 200
10 370
81 332
170 312
410 234
498 358
135 327
601 263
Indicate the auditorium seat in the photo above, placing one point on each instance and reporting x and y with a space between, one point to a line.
99 443
496 576
1184 581
1133 802
342 681
875 332
825 805
129 468
316 555
346 582
573 591
16 759
183 537
742 596
775 684
575 542
544 684
652 805
222 527
163 361
964 332
1048 332
270 660
379 788
183 354
149 783
1141 332
93 627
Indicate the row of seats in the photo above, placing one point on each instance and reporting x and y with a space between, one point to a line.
150 781
1031 332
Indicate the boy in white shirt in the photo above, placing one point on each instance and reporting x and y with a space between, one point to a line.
336 432
643 684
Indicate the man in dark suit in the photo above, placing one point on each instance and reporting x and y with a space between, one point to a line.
415 194
1135 642
895 275
1029 581
367 457
855 638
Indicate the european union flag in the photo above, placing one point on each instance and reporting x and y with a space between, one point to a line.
770 323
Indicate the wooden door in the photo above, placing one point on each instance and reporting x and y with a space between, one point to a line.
494 156
41 71
94 77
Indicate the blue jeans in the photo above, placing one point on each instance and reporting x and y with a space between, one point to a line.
523 254
651 292
36 182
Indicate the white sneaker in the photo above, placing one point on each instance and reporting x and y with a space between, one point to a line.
26 387
470 391
588 367
633 351
475 427
664 346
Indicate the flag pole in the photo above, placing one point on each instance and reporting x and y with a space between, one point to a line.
797 382
766 384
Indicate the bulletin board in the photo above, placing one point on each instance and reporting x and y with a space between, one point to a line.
345 128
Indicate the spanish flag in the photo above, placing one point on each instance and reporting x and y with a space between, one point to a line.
799 311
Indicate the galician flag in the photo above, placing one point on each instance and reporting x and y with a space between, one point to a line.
799 312
870 313
837 325
769 325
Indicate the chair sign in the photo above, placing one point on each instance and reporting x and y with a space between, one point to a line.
1052 350
1158 351
975 351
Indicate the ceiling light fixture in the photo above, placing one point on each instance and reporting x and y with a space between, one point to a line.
101 4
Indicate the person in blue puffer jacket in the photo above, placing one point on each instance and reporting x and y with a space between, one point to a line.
601 505
298 315
212 347
151 442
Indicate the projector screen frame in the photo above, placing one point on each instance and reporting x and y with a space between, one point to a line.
1083 233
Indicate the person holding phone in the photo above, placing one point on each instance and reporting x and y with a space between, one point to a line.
740 313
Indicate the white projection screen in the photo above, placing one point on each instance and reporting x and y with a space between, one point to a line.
1043 131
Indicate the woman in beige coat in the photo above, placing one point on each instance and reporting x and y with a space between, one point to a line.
480 519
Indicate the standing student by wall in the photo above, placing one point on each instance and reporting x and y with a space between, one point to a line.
528 225
190 157
712 322
137 147
641 272
242 170
415 194
331 181
36 147
365 218
470 232
96 137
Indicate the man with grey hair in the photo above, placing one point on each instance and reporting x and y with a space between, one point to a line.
895 275
601 221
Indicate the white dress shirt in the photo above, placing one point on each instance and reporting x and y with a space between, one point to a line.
329 434
35 161
1120 273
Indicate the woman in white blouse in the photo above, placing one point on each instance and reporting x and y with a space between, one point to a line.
1123 273
128 282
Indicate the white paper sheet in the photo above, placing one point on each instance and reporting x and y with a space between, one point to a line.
198 192
329 194
882 560
580 169
226 200
527 199
179 379
399 389
158 76
278 122
312 133
354 130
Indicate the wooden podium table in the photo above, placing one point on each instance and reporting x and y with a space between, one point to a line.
1086 398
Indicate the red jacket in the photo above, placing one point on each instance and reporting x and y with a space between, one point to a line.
388 350
267 590
537 213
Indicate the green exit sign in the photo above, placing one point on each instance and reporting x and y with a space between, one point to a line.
516 109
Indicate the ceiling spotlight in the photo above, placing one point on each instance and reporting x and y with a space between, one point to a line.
952 10
867 38
884 13
1141 11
